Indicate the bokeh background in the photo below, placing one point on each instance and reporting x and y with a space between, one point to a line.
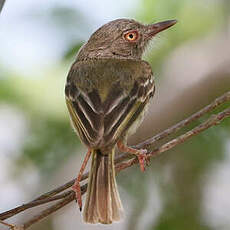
185 188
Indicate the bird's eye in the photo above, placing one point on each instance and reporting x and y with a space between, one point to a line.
131 36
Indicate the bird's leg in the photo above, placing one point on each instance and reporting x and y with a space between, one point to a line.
140 153
77 187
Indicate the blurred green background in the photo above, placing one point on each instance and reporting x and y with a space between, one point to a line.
186 188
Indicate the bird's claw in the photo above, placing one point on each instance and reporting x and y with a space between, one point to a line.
77 189
143 159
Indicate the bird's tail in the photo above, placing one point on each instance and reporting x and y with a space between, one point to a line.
103 204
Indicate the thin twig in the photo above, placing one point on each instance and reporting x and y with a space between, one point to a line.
55 191
53 208
213 120
49 210
21 208
221 100
6 224
11 226
173 129
68 196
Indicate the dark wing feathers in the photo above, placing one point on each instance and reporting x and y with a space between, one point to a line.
100 123
115 129
117 114
115 96
86 115
120 110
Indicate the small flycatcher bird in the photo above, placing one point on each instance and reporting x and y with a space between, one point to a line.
107 92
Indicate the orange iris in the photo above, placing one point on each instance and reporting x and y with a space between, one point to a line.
131 36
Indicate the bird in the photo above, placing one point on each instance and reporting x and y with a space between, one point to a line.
107 91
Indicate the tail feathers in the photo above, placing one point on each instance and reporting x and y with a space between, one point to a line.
103 203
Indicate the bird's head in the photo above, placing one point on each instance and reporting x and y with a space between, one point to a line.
121 38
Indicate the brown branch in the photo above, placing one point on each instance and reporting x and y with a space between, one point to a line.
49 210
122 163
32 204
53 208
59 189
218 101
213 120
173 129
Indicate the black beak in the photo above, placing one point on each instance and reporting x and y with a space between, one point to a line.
155 28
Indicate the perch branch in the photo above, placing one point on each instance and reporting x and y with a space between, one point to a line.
121 162
173 129
215 119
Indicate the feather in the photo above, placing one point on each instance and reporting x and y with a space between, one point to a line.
103 203
101 113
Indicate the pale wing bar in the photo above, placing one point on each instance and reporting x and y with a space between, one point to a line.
99 121
127 109
88 113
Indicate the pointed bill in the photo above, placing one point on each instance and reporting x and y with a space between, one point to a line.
155 28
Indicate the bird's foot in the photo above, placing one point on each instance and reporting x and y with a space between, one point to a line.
140 153
77 189
142 158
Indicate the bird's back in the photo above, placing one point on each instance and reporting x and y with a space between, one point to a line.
106 94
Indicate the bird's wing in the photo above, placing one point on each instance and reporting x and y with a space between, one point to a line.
105 98
85 113
124 108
